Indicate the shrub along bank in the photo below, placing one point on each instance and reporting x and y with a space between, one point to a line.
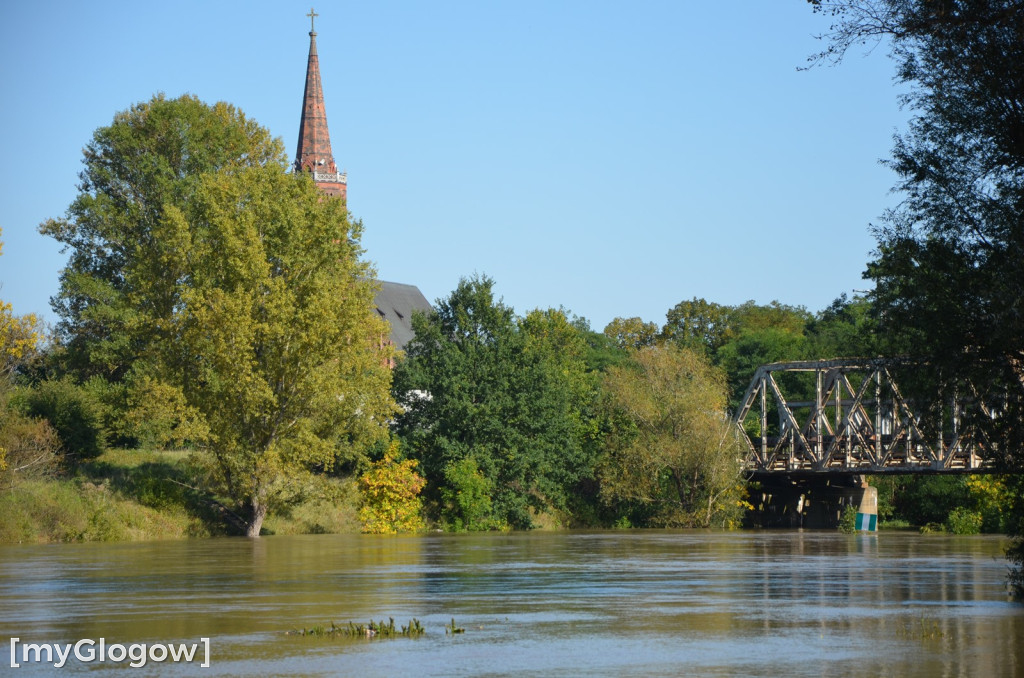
127 495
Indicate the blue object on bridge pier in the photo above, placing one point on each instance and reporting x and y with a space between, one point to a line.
866 522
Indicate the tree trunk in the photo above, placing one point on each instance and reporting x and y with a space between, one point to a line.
259 512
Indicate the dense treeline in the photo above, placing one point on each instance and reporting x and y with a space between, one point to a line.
519 421
504 420
511 421
552 378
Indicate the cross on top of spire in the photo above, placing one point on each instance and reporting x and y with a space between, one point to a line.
312 19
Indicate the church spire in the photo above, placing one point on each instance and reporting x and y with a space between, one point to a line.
314 150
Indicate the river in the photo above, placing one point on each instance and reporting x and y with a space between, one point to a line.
636 603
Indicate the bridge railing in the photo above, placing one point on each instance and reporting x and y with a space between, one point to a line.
857 421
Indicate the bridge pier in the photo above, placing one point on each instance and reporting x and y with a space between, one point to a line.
811 501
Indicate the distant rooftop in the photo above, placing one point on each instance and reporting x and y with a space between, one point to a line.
395 303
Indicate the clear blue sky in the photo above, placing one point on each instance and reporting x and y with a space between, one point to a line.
611 158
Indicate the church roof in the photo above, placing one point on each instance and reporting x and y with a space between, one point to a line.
396 303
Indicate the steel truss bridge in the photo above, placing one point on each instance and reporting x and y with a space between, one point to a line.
858 422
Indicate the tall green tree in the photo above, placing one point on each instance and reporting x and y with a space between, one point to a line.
949 270
698 323
739 338
751 349
632 332
602 350
574 357
672 447
150 158
200 265
279 350
490 403
752 317
846 328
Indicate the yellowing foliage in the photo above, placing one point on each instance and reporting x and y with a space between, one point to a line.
19 336
391 501
992 498
671 446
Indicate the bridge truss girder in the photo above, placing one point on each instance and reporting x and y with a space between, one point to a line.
858 422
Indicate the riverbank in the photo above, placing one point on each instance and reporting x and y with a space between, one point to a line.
137 495
141 495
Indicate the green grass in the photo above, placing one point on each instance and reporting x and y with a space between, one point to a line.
74 509
134 495
328 506
895 524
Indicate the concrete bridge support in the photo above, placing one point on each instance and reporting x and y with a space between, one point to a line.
810 501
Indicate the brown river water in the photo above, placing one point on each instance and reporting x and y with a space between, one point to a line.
629 603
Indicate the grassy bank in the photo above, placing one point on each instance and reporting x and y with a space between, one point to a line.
127 495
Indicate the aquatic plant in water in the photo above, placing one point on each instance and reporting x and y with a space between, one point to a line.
848 520
372 630
922 630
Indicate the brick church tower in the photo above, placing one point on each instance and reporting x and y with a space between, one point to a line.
394 302
314 151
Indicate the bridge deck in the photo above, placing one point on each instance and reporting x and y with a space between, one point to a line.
856 422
